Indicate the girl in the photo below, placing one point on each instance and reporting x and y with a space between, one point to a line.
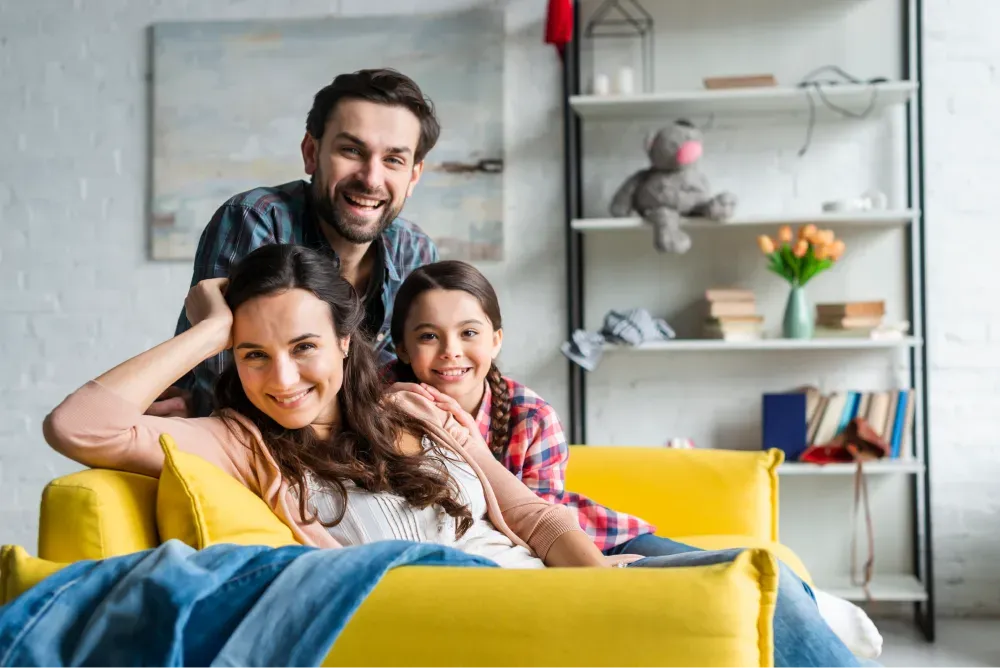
302 420
447 328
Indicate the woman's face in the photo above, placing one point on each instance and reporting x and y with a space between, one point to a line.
289 358
450 344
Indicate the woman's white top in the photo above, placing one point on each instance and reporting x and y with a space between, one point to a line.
372 517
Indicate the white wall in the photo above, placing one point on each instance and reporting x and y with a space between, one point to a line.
77 293
963 96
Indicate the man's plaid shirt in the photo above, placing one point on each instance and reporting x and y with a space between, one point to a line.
538 453
282 214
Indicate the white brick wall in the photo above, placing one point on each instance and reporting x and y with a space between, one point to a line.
963 94
77 293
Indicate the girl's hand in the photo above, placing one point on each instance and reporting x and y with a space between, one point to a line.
446 403
411 387
206 303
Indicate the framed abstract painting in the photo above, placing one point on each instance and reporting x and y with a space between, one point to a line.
230 100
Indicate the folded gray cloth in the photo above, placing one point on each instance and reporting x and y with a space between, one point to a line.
632 327
585 349
635 327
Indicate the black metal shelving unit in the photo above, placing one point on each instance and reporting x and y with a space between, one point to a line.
912 69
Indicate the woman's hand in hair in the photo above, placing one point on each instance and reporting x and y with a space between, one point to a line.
147 376
205 304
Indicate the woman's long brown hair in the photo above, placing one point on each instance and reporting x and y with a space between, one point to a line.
363 447
457 275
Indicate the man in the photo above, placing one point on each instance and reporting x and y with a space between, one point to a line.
366 138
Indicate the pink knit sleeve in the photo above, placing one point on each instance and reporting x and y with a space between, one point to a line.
99 428
535 521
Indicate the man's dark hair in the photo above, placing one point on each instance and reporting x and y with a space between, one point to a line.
382 86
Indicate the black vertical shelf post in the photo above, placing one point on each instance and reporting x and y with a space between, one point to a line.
574 240
923 545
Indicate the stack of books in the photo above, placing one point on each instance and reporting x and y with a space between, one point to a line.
849 318
889 412
732 315
792 421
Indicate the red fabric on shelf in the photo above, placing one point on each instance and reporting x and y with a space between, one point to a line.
559 24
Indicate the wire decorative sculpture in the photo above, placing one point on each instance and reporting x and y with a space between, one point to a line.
626 19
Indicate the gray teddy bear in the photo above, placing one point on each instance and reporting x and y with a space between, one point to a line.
672 187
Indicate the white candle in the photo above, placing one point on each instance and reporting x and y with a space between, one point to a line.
602 84
625 81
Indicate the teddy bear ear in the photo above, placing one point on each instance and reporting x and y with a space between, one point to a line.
648 141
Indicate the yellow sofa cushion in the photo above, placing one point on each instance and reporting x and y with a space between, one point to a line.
716 615
97 513
19 571
199 504
683 492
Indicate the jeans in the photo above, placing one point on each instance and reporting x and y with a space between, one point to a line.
801 636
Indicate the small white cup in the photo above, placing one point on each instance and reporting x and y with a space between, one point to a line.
625 82
601 84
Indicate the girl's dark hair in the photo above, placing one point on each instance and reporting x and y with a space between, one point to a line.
363 447
457 275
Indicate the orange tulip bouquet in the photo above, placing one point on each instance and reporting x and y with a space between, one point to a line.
798 261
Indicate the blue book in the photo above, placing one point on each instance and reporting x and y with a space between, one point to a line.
850 410
899 424
784 423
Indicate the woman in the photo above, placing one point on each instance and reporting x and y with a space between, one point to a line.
302 421
301 409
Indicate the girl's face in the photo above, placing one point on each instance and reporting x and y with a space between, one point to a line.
450 343
289 358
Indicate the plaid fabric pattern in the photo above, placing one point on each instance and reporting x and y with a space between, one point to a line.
282 214
538 453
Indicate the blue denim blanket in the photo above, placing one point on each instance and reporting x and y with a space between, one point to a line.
226 605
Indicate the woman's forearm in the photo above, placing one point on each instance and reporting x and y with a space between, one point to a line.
142 378
575 548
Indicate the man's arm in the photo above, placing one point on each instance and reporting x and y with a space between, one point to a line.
231 235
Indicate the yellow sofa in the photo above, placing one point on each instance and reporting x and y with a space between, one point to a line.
707 615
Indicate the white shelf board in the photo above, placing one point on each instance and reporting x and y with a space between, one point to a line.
855 98
887 218
708 345
905 466
899 588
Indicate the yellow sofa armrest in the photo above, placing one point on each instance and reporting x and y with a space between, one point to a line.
97 513
683 492
19 571
717 615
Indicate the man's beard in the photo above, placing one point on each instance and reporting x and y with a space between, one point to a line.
346 225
